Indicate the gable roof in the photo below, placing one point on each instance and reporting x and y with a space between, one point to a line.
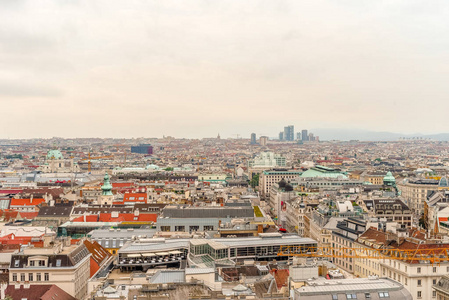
281 277
38 292
28 215
8 214
86 218
55 211
26 202
99 256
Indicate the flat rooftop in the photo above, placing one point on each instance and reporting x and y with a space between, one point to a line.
323 286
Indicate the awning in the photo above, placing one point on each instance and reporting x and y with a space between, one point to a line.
175 252
133 255
162 253
148 254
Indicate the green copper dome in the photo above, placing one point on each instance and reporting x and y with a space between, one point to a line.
389 179
54 154
107 186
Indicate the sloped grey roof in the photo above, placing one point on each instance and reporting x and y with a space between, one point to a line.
168 276
443 284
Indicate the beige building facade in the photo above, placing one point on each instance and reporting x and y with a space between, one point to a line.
66 267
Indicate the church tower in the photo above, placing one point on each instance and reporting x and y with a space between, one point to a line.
106 197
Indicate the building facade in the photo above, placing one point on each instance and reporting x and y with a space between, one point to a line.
415 192
304 135
418 277
289 133
268 178
66 267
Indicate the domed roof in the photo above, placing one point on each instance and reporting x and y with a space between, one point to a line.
389 178
239 288
288 187
152 167
282 183
54 154
443 182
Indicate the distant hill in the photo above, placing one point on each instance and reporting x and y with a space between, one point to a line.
366 135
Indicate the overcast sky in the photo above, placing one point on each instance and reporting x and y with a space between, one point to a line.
197 68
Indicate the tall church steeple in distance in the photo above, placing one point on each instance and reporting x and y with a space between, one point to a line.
107 186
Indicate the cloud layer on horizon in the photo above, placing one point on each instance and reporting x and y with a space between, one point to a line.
196 68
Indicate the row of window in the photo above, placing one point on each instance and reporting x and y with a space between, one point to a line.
419 294
133 198
36 263
182 228
30 277
418 269
367 296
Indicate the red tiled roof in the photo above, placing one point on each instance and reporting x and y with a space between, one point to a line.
9 247
87 218
122 184
8 214
148 217
11 239
26 202
29 215
281 277
135 197
99 256
416 233
38 292
94 267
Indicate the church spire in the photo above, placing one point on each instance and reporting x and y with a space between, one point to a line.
107 186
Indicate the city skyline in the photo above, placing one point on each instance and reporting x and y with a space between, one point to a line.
88 69
290 150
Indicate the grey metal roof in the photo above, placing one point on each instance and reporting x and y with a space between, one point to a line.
120 233
332 224
54 211
189 221
208 212
155 246
443 284
349 286
168 276
190 271
258 241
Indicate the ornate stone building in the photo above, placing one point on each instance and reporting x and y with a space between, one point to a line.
55 163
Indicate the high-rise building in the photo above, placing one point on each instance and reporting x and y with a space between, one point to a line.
263 141
281 136
311 137
267 160
289 133
298 136
253 139
305 135
142 149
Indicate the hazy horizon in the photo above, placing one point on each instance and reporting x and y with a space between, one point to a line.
198 68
